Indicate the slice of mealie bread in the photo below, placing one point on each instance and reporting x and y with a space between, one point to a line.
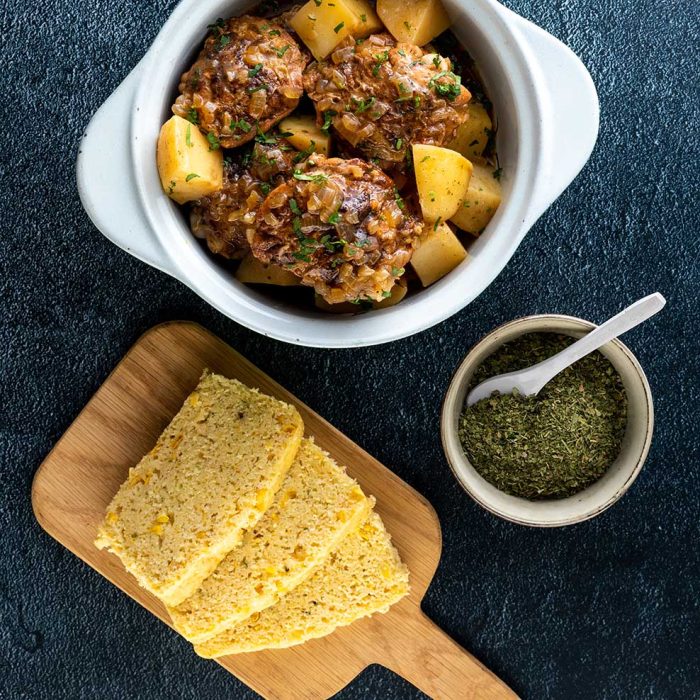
363 576
317 505
212 474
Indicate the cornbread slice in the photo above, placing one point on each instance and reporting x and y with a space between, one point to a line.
363 576
317 505
212 474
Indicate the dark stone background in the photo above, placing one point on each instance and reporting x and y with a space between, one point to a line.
605 609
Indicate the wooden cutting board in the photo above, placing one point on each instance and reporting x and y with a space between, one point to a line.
122 422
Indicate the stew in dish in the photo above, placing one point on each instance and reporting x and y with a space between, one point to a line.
340 149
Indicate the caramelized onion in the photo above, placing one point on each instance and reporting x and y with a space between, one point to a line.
343 54
276 199
258 102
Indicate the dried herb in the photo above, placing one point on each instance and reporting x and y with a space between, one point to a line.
552 445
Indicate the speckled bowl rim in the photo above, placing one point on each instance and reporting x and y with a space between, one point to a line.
493 340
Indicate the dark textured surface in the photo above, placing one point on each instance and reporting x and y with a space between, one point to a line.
605 609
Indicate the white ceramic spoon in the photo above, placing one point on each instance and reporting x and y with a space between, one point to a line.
530 381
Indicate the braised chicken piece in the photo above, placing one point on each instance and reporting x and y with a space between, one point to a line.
225 217
381 97
339 225
247 78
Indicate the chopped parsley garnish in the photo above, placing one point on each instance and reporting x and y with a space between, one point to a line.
329 244
223 40
294 207
213 141
449 90
274 32
328 120
365 304
338 27
363 105
436 60
334 218
241 124
381 59
316 177
171 186
308 246
497 173
188 135
192 116
282 51
399 144
386 294
255 70
363 18
399 199
303 155
268 139
437 223
318 3
191 176
431 194
265 188
397 271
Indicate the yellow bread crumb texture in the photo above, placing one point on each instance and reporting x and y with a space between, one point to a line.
212 473
317 506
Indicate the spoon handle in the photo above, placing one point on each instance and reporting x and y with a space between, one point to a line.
627 319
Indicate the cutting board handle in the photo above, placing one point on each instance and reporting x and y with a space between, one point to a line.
432 661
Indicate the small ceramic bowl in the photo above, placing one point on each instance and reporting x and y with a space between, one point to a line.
592 500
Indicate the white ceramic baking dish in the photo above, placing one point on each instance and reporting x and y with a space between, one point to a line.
547 110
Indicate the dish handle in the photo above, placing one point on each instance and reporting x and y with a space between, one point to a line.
110 199
570 112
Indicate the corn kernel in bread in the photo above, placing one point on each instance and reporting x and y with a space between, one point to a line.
212 474
363 576
317 505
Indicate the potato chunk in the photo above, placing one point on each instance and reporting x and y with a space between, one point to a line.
416 22
369 22
305 134
480 202
472 136
440 251
442 177
252 271
188 168
323 24
398 292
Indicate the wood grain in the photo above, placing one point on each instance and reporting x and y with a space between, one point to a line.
122 422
